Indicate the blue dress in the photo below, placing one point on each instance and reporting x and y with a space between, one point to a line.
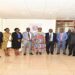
15 43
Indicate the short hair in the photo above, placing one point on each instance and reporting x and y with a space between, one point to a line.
16 29
40 28
6 29
27 28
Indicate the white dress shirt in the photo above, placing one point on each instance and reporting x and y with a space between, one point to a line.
51 38
26 37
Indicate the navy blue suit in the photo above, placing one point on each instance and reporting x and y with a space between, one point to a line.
50 44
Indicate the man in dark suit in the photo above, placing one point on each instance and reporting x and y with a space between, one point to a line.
50 41
1 40
72 43
67 41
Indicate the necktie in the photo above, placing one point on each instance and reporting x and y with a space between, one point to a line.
28 35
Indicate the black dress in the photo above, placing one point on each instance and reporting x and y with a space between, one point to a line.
15 43
1 37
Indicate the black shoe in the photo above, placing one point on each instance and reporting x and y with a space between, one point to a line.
73 55
69 54
40 53
64 53
58 53
47 53
51 53
36 53
31 53
24 53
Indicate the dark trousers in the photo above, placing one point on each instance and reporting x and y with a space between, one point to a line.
66 45
72 49
50 47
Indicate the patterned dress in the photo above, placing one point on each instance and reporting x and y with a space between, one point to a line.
39 40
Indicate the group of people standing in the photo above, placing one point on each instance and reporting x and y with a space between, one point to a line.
38 41
9 40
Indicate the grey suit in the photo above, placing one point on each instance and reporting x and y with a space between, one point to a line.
27 41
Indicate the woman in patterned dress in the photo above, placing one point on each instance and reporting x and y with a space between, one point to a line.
39 41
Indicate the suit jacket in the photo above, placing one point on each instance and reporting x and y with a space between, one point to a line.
15 43
25 36
69 37
1 37
15 37
64 37
47 38
72 38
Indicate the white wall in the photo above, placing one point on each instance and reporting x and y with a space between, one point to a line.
32 23
1 25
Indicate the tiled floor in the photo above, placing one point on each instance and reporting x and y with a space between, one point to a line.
37 64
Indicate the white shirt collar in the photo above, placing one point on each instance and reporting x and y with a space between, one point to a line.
50 33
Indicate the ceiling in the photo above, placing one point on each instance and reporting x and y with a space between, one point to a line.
37 9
